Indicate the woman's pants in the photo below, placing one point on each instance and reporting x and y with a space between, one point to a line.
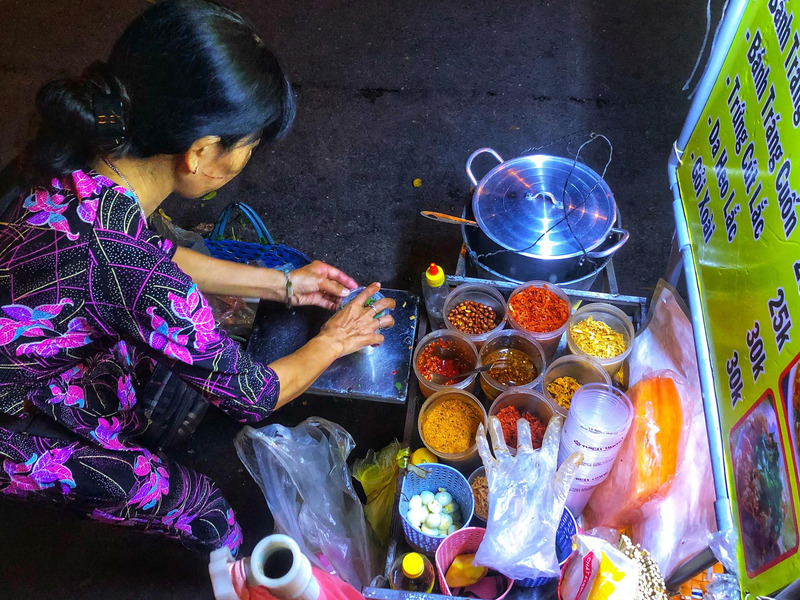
133 488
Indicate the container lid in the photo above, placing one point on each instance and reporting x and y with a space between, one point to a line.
434 275
413 565
522 205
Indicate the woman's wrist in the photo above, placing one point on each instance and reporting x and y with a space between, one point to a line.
272 284
330 343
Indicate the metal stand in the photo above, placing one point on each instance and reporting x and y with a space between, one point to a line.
634 306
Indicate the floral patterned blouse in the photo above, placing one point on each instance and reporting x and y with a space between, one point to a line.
85 285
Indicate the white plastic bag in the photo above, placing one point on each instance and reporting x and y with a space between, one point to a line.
303 474
596 570
526 500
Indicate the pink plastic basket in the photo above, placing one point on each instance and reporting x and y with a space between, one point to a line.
463 541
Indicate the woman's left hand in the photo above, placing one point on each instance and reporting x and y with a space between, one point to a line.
320 284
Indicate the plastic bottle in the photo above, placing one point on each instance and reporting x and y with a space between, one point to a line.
412 572
277 570
434 291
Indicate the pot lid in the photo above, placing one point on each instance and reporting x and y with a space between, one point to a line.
522 205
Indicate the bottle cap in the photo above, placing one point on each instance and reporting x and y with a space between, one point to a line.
413 565
434 275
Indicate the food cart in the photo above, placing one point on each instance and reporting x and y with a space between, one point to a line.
735 208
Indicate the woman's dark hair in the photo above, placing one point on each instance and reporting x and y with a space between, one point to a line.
184 69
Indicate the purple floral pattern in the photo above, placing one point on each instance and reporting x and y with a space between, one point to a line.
90 295
195 309
40 472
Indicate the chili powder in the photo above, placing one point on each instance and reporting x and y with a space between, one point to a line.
509 416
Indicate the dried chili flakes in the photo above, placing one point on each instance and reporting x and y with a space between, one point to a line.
538 309
509 416
445 357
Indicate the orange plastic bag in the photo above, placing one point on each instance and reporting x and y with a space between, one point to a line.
648 459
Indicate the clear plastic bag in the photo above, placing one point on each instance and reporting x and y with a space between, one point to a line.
526 499
303 474
377 473
674 525
723 587
648 459
232 314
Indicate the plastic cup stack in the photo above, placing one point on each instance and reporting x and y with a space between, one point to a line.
596 425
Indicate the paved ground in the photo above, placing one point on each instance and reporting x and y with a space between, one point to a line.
387 92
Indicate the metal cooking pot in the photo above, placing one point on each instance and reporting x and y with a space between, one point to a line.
541 217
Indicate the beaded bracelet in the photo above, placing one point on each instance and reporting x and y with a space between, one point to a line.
288 289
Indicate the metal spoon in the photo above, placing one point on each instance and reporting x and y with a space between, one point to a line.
440 379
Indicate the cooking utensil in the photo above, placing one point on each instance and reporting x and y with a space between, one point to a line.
541 217
439 379
447 219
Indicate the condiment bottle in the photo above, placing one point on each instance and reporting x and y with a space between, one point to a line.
435 291
277 570
412 572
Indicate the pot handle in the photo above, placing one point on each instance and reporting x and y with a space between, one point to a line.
472 157
624 235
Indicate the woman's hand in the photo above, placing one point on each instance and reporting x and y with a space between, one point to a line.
356 326
320 284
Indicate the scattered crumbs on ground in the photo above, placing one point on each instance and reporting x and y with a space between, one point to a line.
417 182
398 385
394 372
411 318
404 304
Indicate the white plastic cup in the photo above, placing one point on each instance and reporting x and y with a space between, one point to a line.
596 425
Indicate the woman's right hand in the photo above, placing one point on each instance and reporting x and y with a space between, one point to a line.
354 327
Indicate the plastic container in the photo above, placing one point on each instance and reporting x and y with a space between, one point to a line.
434 291
412 572
614 318
483 294
476 518
460 341
464 461
529 401
463 541
566 529
582 369
548 340
596 425
513 340
439 476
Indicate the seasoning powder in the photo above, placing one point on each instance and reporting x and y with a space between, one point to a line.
450 426
597 338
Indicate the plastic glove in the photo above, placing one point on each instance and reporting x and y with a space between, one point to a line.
526 499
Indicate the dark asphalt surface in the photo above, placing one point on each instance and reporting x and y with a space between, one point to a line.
387 92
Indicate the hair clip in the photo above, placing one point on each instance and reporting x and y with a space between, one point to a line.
108 116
